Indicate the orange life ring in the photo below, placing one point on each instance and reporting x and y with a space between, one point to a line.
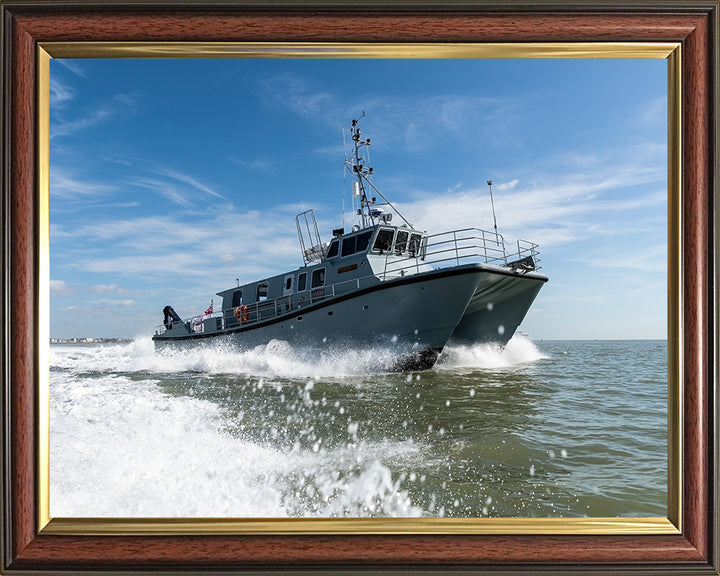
242 313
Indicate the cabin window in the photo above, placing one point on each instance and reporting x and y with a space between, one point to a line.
333 250
262 292
302 281
318 278
348 246
414 247
362 241
237 298
401 242
384 240
288 283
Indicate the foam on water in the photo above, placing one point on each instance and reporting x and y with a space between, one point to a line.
278 359
119 446
275 359
519 350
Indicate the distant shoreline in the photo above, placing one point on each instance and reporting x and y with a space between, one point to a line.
90 340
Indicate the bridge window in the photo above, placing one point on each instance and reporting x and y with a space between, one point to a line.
362 241
401 242
302 281
384 240
333 250
237 298
348 246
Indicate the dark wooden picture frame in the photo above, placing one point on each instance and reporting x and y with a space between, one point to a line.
28 548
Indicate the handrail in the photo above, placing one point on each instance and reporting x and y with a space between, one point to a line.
466 245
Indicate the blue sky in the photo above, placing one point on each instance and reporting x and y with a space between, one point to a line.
169 179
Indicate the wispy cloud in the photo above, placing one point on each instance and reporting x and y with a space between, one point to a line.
60 93
72 66
213 245
68 186
256 164
163 188
551 211
179 188
416 122
653 113
191 181
120 105
297 94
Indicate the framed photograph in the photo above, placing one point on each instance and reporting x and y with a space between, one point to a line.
388 532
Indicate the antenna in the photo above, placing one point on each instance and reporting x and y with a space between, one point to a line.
492 204
359 166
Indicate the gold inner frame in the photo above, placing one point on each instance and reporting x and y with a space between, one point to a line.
285 526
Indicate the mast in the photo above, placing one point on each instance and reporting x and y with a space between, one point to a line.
359 166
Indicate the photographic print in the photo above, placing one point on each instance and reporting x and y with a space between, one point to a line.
358 288
369 462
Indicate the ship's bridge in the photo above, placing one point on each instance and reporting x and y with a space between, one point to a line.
380 239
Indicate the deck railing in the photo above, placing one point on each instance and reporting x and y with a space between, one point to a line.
465 246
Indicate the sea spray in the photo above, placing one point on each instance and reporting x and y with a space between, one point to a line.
120 446
270 432
518 351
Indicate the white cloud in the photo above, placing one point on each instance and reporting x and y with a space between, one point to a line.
59 288
103 288
502 186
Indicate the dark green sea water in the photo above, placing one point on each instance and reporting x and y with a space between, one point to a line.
547 428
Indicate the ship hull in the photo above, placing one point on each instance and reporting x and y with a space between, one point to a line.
497 307
412 317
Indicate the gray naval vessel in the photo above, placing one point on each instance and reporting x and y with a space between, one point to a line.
378 284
